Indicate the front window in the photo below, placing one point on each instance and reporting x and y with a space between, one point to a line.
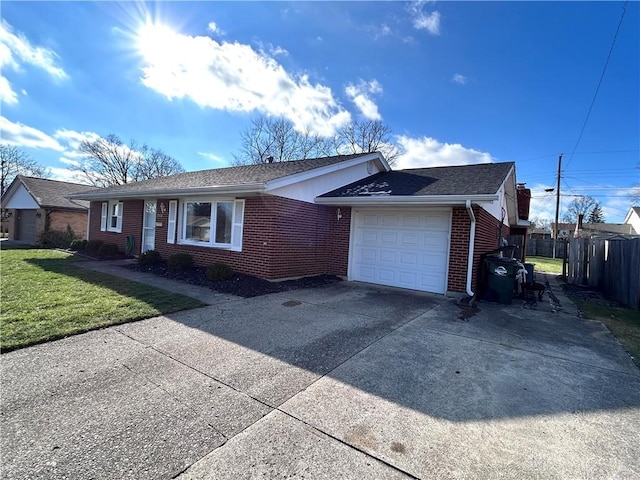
208 223
198 222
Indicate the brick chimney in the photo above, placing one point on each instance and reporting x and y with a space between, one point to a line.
523 196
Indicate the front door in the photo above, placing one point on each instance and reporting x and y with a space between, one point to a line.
149 226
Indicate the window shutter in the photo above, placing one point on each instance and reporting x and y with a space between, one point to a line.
236 230
103 216
171 224
119 221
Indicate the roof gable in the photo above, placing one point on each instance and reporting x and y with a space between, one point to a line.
46 193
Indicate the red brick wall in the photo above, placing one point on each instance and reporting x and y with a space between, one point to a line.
281 237
487 232
131 224
59 219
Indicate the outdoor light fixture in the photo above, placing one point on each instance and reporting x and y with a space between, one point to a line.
163 208
38 215
338 214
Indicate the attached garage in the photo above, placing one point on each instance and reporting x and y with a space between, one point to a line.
406 248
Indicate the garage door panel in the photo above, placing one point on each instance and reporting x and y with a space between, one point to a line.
367 254
387 256
411 240
389 238
403 249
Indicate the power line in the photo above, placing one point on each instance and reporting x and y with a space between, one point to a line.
595 94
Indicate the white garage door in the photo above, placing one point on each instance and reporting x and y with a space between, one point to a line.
401 248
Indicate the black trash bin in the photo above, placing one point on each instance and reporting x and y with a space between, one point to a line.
500 279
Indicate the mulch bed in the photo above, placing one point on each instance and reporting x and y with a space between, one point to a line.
239 284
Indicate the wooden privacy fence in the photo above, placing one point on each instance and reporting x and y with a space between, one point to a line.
611 265
543 247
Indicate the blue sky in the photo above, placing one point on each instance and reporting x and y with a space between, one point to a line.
457 82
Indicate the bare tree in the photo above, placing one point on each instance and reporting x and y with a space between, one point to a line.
542 223
108 161
14 162
366 136
277 137
579 205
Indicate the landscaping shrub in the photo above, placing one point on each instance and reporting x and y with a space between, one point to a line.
150 257
78 245
108 250
57 238
180 261
93 246
219 271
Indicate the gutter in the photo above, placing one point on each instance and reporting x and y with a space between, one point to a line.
472 240
391 200
170 192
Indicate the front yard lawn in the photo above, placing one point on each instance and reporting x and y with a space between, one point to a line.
45 296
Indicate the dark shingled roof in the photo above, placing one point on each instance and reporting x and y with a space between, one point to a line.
230 176
52 193
481 179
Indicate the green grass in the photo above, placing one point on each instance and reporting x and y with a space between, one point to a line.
46 296
623 323
544 264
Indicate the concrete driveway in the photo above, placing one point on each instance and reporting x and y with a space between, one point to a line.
344 381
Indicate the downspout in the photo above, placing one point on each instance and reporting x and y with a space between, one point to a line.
472 240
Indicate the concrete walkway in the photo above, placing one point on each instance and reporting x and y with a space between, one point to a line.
345 381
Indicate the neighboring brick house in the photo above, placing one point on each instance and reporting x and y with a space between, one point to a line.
347 215
31 205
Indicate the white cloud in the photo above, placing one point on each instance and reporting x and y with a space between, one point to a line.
67 175
429 152
7 95
15 50
70 162
213 158
235 77
424 21
19 134
459 79
360 95
72 140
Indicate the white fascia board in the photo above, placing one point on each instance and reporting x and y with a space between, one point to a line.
381 201
523 223
316 172
173 193
513 217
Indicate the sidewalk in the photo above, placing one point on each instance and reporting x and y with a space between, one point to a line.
115 268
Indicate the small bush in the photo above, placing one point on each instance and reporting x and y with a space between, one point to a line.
180 261
57 238
150 257
108 250
219 271
93 246
78 245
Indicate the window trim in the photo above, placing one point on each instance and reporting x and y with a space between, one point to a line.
233 244
118 216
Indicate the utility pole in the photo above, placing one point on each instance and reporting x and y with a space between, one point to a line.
555 227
